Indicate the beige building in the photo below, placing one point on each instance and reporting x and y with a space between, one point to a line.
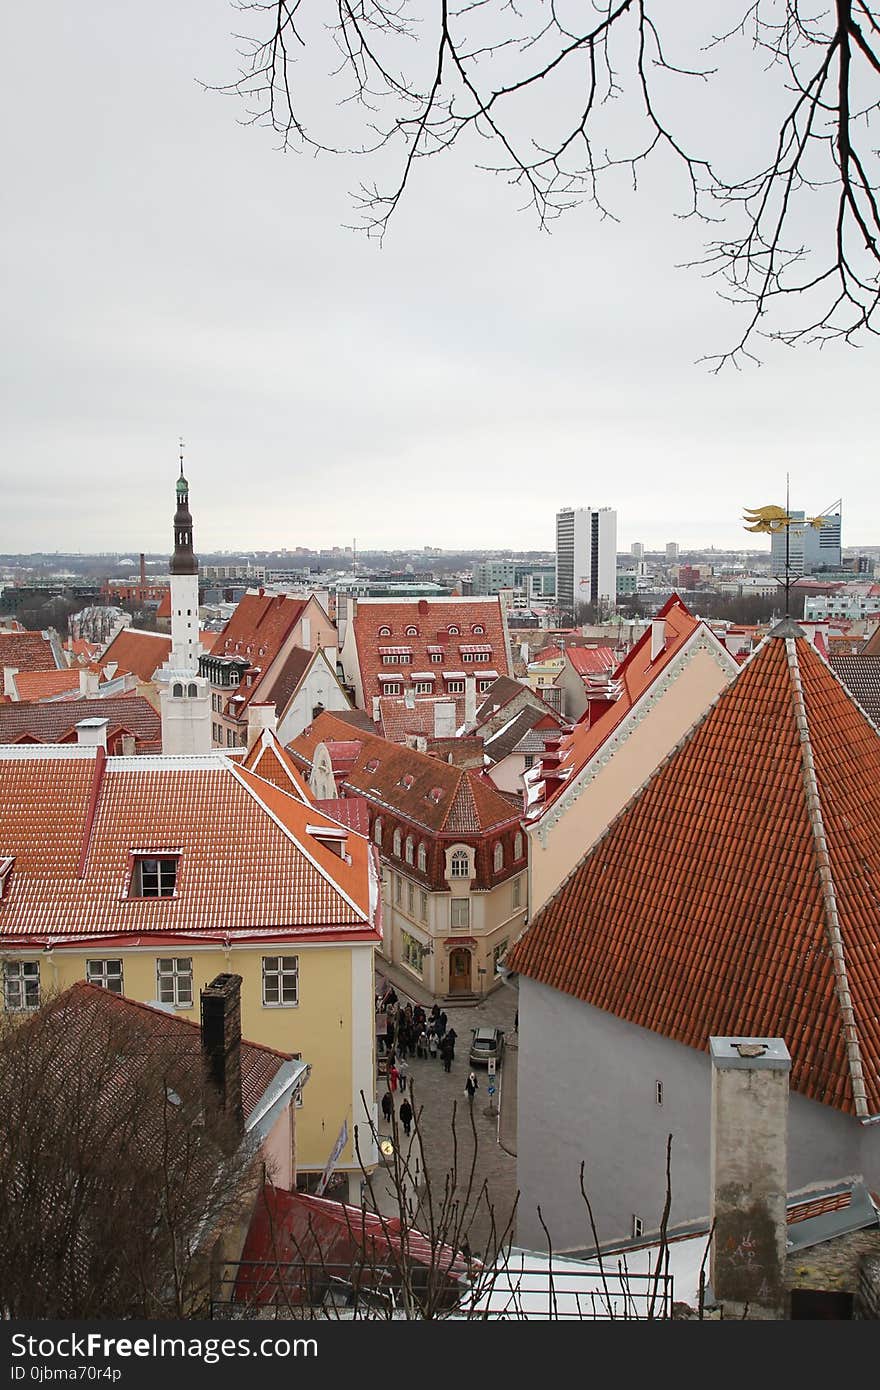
635 717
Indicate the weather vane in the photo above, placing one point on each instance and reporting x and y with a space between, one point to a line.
773 521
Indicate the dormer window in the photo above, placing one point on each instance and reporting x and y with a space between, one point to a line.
410 845
435 795
396 843
372 765
411 632
154 876
460 864
384 631
437 656
478 629
423 858
406 781
453 630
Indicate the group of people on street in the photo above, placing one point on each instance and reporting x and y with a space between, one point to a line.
410 1031
405 1112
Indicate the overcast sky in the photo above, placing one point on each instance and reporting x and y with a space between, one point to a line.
168 272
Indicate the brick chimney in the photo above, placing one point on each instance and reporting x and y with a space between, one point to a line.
749 1174
470 701
221 1044
9 687
260 716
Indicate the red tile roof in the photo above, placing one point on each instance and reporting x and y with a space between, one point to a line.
872 646
164 609
135 650
586 660
398 722
290 1230
440 797
28 651
861 676
738 892
431 619
83 1006
248 863
55 721
268 758
46 685
352 811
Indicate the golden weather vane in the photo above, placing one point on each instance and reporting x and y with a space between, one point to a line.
773 521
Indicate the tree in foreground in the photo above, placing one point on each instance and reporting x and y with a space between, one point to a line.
564 99
117 1169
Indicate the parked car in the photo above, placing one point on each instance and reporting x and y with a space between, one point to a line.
486 1043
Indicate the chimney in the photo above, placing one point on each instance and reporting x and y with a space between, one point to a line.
259 717
470 701
88 682
129 746
409 698
143 571
377 712
444 719
421 743
306 627
749 1174
92 733
9 674
658 637
221 1044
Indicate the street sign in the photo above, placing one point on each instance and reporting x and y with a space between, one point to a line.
491 1066
332 1161
491 1088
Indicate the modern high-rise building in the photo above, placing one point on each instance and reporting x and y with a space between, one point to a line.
637 550
586 558
672 550
809 549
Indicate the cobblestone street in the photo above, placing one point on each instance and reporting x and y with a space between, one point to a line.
445 1115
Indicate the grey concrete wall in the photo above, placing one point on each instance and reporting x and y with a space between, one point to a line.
587 1093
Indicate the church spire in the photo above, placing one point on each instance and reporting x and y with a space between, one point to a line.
183 561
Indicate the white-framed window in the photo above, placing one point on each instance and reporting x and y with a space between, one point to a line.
280 982
153 876
423 906
21 984
460 864
174 980
411 897
453 630
413 952
478 629
455 687
498 857
391 660
480 656
638 1227
460 913
377 830
437 657
484 686
411 631
423 687
398 888
528 761
391 687
396 843
410 849
516 897
422 858
384 631
518 845
106 973
658 1091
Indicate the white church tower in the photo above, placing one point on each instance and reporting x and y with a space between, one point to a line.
185 696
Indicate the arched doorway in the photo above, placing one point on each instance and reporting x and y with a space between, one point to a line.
460 971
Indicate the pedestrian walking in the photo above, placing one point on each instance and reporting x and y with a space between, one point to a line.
452 1035
470 1087
402 1073
432 1045
406 1115
393 1077
422 1044
387 1107
447 1052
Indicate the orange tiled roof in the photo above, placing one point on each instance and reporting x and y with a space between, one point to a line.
379 625
440 797
706 907
135 650
46 685
269 759
28 651
861 676
164 609
872 646
248 861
